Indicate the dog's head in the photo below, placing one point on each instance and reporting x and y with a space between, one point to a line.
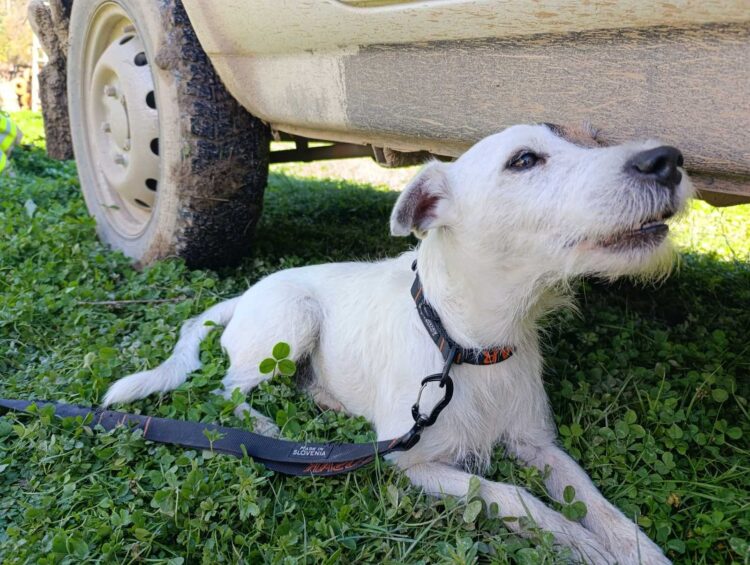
552 197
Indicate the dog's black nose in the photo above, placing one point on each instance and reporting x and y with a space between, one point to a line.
659 164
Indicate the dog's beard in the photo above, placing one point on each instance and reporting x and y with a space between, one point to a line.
637 245
648 264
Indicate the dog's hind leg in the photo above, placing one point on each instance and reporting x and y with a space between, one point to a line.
270 312
441 479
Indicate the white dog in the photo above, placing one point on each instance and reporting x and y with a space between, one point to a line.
503 230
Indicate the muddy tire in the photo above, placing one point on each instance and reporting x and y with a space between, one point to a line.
170 164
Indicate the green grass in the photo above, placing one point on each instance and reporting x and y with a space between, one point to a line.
649 388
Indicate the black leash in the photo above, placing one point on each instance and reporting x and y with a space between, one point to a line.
289 457
282 456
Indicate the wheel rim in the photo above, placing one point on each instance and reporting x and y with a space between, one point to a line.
122 120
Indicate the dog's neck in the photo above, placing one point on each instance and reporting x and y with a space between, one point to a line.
482 302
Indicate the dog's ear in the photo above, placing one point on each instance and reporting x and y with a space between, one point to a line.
422 205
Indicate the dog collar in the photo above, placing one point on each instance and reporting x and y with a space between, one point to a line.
440 336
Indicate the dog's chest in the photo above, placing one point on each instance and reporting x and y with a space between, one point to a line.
489 404
374 351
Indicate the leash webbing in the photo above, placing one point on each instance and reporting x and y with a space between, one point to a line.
288 457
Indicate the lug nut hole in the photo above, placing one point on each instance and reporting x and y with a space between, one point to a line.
151 100
140 59
155 146
152 184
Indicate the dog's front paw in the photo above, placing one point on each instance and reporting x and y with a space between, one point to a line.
587 549
637 551
622 537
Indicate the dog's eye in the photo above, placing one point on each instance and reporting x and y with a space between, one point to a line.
523 160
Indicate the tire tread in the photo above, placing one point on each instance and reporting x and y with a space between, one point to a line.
225 175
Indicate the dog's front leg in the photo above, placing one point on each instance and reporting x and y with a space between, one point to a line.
620 535
441 479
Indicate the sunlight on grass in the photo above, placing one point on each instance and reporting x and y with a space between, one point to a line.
31 125
723 231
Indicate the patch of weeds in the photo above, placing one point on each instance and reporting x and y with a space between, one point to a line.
649 387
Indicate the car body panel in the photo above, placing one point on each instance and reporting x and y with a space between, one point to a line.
440 75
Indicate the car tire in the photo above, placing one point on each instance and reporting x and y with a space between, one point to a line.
169 163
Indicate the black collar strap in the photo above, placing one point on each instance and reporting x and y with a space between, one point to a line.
440 336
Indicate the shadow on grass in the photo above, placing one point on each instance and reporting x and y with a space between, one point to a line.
702 285
312 220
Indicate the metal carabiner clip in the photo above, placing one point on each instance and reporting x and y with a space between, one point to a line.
424 420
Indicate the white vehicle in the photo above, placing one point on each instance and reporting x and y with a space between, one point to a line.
172 104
